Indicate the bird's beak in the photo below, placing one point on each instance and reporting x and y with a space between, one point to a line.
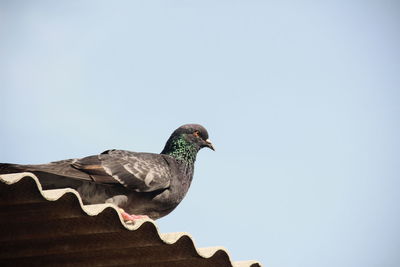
210 145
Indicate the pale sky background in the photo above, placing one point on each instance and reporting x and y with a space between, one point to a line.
301 99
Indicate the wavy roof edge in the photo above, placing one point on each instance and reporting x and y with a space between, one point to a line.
96 209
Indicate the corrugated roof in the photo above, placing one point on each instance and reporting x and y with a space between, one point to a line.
53 228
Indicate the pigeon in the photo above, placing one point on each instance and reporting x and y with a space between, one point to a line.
141 184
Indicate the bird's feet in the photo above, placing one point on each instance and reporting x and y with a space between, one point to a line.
132 217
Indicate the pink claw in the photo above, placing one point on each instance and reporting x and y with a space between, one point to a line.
132 217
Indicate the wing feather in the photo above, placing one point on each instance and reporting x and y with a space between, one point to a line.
142 172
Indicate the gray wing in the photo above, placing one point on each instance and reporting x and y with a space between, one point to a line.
141 172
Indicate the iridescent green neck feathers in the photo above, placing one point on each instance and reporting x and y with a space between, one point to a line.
181 149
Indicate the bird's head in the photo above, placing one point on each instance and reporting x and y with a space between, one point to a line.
194 134
188 137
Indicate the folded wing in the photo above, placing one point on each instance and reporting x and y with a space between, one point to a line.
141 172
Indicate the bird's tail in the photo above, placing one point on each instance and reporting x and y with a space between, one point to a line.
6 168
57 168
59 174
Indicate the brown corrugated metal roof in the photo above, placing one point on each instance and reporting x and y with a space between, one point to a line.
53 228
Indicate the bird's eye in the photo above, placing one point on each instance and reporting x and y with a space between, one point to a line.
196 133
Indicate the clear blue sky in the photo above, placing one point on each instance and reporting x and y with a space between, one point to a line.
301 99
